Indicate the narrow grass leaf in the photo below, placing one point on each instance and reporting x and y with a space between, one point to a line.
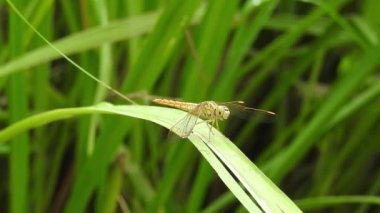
314 203
265 193
282 163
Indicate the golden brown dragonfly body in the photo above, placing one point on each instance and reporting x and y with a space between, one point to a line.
210 111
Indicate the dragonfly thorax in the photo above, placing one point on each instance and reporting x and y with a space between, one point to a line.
213 111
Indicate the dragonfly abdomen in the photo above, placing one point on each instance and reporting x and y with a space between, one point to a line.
185 106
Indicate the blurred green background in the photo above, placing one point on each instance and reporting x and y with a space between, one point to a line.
314 63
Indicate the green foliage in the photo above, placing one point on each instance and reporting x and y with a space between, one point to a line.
315 63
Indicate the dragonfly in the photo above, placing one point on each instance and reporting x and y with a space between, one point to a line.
209 111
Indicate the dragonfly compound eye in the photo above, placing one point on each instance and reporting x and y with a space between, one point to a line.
225 112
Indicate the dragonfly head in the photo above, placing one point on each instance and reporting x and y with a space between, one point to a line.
222 112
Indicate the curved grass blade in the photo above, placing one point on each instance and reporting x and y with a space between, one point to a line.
264 192
163 116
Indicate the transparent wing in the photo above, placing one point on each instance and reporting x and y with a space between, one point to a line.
240 106
184 126
239 109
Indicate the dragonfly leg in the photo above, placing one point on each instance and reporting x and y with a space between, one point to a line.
199 122
210 124
217 125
